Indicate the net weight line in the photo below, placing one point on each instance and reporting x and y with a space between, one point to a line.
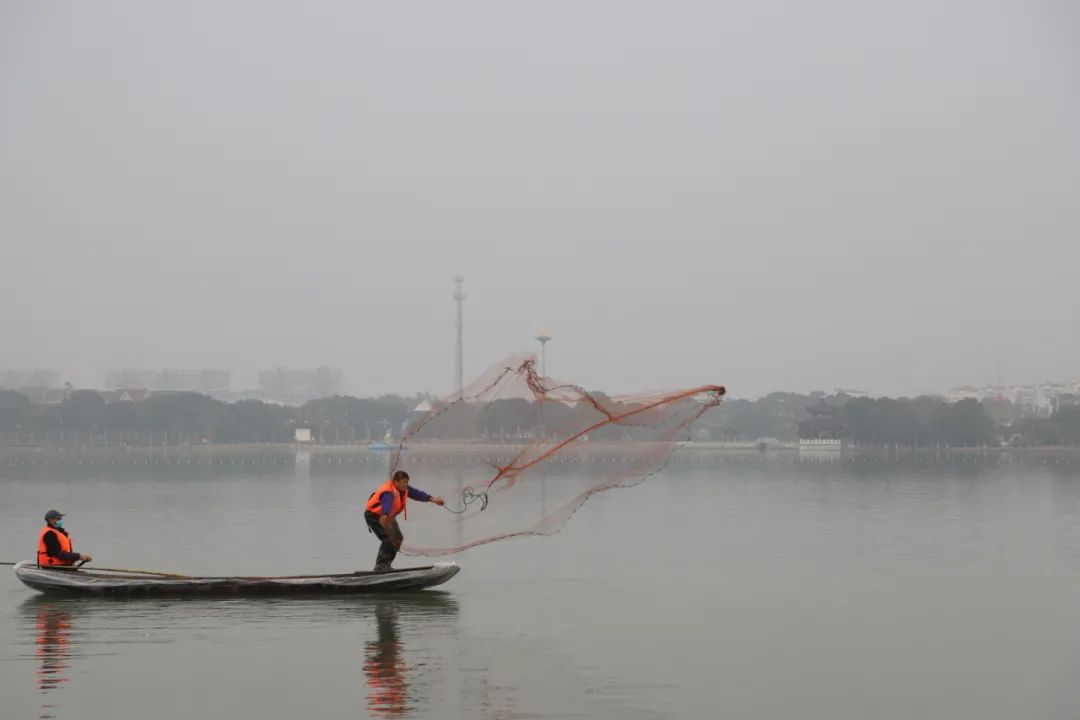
468 497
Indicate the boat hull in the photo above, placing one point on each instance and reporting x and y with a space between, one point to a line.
70 581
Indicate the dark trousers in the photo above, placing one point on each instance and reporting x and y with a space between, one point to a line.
388 547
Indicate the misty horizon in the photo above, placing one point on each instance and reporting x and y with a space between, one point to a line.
246 380
772 197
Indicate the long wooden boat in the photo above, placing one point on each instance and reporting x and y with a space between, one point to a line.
81 581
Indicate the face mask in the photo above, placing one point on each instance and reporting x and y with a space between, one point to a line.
60 524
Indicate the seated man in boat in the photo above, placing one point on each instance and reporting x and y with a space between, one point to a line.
54 544
383 507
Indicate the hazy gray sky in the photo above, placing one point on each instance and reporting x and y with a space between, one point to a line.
770 195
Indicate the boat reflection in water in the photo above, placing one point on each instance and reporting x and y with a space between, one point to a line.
397 656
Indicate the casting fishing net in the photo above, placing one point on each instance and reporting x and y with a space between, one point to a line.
517 454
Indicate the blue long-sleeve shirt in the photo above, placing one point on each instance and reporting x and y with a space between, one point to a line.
387 498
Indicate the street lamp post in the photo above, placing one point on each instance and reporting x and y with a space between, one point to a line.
543 339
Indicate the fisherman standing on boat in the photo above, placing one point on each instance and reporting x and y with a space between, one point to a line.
54 544
381 512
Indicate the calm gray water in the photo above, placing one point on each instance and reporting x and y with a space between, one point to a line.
735 587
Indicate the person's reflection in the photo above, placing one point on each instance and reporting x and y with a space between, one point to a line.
51 645
393 685
384 665
48 624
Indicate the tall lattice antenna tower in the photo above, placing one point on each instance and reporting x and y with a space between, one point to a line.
459 357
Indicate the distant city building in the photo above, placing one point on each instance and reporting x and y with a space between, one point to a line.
206 381
17 379
146 379
1040 400
290 386
1026 399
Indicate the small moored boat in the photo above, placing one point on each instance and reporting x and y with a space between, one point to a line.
81 581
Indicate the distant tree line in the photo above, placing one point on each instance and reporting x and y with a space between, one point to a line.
84 418
1061 428
908 422
175 418
518 418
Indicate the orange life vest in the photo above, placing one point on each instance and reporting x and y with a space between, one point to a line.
374 503
43 557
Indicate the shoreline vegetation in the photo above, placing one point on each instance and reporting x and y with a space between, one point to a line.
289 453
191 422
